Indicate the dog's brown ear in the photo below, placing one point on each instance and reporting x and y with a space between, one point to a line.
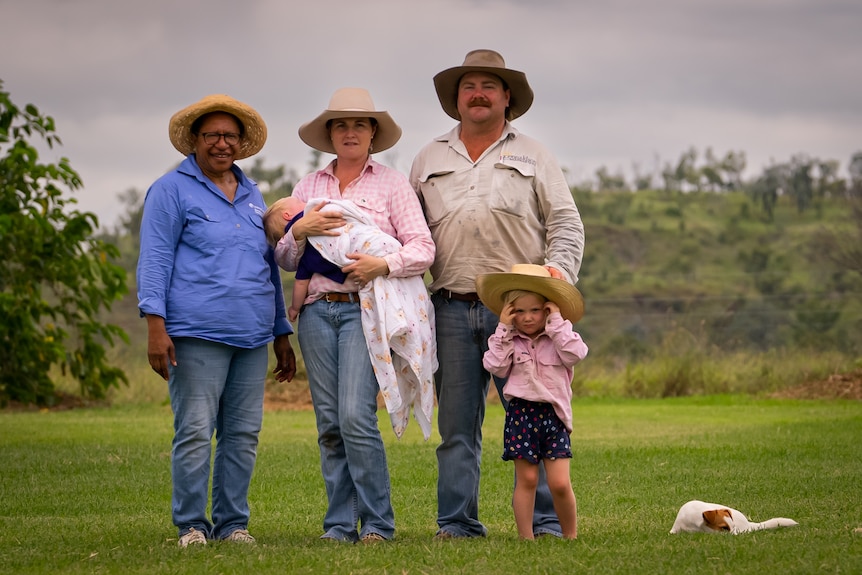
715 519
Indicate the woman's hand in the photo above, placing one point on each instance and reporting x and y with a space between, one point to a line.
317 223
160 346
364 268
285 358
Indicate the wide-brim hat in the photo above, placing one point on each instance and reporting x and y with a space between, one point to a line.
490 62
350 103
254 128
535 278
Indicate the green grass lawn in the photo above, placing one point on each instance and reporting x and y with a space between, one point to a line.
88 491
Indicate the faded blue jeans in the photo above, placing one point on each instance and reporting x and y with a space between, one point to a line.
214 388
344 392
463 329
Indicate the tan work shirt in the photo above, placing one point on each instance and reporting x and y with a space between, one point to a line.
511 206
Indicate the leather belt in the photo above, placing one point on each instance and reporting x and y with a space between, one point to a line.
472 296
334 296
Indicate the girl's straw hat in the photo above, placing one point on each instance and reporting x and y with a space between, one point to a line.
530 277
254 136
350 103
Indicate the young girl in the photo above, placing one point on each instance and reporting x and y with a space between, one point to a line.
535 347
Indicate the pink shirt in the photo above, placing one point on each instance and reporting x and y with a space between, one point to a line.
387 197
538 369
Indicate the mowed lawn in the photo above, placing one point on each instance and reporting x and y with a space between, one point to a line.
88 491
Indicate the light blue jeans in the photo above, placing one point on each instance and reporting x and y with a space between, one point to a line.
214 388
344 392
463 329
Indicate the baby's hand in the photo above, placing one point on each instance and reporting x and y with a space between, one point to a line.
507 314
551 307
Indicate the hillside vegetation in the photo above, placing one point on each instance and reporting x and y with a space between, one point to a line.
686 293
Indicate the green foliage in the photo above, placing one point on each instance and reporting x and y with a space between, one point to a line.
744 283
55 278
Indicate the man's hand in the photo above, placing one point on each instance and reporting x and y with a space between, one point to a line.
555 273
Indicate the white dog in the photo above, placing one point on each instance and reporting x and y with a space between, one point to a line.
697 516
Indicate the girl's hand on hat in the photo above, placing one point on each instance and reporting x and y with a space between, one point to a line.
551 307
507 314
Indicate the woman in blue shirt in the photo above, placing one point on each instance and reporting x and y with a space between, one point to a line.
211 293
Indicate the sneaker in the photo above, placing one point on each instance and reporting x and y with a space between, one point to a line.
240 536
372 538
192 537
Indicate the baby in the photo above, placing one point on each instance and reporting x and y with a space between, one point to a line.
289 210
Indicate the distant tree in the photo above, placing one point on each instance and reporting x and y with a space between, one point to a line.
610 182
855 171
732 165
126 235
55 276
711 172
686 169
642 181
768 186
669 178
275 182
800 183
828 184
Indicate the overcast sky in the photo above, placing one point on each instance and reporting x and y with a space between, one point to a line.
617 82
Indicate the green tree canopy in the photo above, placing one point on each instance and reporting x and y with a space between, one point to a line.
55 277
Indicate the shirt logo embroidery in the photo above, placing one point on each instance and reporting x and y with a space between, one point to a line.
505 157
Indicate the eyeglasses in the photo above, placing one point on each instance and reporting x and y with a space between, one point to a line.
212 138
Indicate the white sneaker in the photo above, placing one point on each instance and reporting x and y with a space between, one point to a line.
240 536
193 537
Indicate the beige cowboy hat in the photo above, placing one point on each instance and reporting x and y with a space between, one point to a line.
530 277
254 135
350 103
490 62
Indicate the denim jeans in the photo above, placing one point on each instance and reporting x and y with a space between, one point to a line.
463 329
344 393
214 388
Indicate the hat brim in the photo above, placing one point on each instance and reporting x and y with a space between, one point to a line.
315 134
520 93
254 128
492 287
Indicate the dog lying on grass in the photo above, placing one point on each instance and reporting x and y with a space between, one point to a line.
700 517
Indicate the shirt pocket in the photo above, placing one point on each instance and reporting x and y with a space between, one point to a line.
546 355
255 237
205 231
436 191
376 204
512 190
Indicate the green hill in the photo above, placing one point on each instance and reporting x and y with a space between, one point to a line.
686 293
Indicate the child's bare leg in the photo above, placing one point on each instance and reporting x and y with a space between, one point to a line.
565 504
524 498
300 292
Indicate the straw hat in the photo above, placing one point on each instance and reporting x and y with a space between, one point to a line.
490 62
254 136
530 277
350 103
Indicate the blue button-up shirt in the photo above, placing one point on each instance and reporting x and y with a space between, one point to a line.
205 265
